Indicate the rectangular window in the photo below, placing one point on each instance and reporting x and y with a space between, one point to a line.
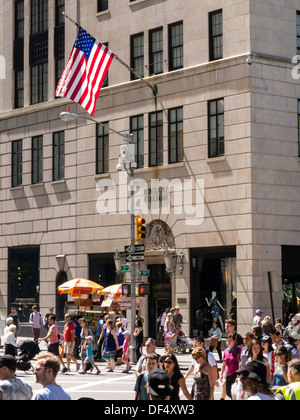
39 83
156 150
216 128
19 54
38 51
58 164
59 40
299 127
216 35
156 55
176 135
176 46
137 129
137 55
19 19
19 89
102 5
102 148
37 160
16 165
39 16
298 32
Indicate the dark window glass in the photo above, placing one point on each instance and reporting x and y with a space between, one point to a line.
216 128
176 46
137 129
16 163
156 138
137 55
176 135
102 149
156 59
216 35
58 155
37 160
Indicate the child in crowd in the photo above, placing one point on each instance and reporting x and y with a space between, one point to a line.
88 346
126 351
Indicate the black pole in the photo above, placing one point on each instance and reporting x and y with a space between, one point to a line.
271 295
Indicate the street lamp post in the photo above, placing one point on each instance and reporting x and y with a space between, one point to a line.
128 138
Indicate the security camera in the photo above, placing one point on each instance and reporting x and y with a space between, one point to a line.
249 60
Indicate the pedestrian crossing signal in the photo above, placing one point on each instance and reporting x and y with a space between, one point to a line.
144 289
140 229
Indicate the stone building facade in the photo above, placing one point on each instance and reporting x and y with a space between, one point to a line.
221 135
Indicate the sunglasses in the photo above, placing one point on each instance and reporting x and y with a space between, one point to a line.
169 362
278 354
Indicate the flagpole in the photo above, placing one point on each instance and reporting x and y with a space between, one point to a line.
153 88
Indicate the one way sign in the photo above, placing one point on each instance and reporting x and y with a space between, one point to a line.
138 248
135 257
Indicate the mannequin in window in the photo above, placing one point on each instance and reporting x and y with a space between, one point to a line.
216 308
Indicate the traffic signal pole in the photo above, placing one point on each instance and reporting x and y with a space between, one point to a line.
133 269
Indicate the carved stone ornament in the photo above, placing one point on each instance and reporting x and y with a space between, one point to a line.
159 236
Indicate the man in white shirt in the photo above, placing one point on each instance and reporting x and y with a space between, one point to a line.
11 388
257 318
36 320
46 370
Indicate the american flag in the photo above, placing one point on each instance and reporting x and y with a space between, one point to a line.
85 71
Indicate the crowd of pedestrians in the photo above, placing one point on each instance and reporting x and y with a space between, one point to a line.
263 364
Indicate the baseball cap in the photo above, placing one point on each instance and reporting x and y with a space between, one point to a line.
259 311
254 370
159 383
89 337
265 338
8 361
126 333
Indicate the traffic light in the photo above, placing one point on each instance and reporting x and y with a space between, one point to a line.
144 289
126 289
140 229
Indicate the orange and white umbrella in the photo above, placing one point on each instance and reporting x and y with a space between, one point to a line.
79 287
115 289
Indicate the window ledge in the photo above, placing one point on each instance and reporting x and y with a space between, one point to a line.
17 188
216 159
59 181
40 184
103 13
132 3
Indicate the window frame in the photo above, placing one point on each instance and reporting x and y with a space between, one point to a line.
156 68
179 150
58 156
219 142
37 160
157 130
16 163
102 153
213 37
138 139
133 58
173 48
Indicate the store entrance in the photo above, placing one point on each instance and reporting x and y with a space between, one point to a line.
160 297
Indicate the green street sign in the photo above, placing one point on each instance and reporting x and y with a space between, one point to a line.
125 268
143 273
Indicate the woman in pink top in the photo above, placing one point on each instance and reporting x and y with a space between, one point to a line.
231 359
52 339
126 351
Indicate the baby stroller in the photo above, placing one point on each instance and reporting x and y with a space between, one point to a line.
29 349
184 343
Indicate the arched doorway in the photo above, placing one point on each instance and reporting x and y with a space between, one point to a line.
61 299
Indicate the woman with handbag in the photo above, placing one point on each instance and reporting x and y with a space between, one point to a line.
215 334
